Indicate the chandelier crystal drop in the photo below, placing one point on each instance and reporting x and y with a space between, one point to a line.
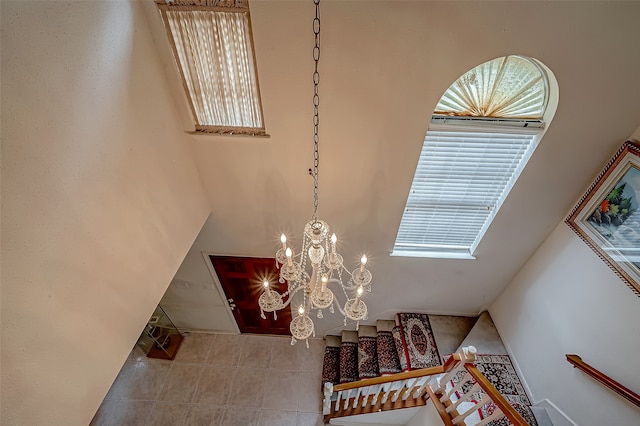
317 265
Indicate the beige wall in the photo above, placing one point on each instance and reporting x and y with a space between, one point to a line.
567 301
100 201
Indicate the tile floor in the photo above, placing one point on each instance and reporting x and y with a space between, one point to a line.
221 380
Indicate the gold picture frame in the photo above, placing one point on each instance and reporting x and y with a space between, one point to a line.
607 217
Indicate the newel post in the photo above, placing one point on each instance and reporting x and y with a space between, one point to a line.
328 391
467 354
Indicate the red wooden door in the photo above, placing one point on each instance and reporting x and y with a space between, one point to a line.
241 279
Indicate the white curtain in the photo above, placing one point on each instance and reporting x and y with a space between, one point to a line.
215 54
508 87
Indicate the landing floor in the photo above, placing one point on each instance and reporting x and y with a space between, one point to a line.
220 380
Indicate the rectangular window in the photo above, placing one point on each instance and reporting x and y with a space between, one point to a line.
463 176
213 46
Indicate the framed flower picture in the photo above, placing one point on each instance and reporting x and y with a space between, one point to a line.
607 217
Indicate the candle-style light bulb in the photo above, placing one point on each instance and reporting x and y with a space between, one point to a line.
269 295
301 310
324 280
363 261
358 294
283 240
289 253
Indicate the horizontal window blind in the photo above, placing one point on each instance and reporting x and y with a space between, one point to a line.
460 182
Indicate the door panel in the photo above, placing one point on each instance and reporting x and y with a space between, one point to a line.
241 279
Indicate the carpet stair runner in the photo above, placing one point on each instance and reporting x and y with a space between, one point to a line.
412 341
388 361
349 357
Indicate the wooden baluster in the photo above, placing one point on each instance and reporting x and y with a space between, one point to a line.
410 385
458 420
387 391
365 396
447 396
399 391
338 401
475 388
497 414
355 400
422 388
347 396
376 395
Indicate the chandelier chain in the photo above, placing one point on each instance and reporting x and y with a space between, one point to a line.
318 263
316 103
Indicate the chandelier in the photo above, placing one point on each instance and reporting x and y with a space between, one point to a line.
317 265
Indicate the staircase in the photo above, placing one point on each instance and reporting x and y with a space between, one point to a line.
404 362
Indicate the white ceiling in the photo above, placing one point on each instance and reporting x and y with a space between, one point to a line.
384 65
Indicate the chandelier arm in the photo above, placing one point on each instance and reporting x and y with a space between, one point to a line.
290 298
335 302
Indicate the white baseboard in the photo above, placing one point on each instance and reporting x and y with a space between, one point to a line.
557 416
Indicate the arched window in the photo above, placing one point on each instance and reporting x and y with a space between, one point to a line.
481 135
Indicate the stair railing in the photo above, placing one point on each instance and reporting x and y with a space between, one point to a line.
414 388
607 381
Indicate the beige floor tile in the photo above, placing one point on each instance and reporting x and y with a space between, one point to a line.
225 349
195 348
118 413
206 386
309 419
204 415
139 380
256 352
247 388
281 390
214 385
181 382
284 356
310 399
277 418
167 414
312 358
240 417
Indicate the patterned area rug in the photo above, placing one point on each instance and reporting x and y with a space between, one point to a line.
331 365
388 362
367 357
418 341
348 362
500 372
397 339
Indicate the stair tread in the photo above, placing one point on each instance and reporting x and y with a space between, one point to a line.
350 336
332 341
385 325
367 331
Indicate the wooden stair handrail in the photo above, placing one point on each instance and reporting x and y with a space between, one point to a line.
615 386
514 417
440 408
413 374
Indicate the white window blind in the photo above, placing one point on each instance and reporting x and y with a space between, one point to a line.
215 54
461 180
